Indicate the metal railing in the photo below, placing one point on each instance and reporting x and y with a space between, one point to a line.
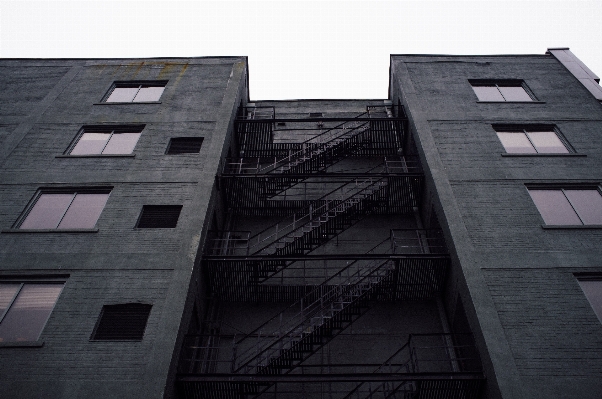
418 241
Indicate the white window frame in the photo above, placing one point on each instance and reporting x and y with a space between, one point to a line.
134 84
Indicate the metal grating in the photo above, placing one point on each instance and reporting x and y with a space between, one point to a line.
184 145
159 216
122 322
416 277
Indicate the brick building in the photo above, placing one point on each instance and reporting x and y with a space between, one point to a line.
164 236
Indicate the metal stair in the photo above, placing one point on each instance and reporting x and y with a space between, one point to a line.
341 209
318 322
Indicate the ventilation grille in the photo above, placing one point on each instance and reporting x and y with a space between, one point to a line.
159 216
185 145
122 322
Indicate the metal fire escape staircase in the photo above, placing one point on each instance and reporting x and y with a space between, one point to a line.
301 234
314 155
325 312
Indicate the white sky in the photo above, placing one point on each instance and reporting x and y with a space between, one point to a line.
301 49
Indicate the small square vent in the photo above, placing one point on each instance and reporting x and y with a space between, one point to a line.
125 322
159 216
184 145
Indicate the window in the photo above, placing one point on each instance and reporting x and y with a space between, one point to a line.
503 90
125 322
65 210
106 140
142 91
568 206
25 308
532 140
592 288
159 216
184 145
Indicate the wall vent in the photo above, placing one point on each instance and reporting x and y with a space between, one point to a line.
159 216
125 322
184 145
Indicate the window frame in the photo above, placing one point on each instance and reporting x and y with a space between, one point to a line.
133 84
497 83
562 188
524 129
103 129
62 281
75 190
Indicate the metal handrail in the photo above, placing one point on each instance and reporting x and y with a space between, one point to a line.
354 283
309 146
313 215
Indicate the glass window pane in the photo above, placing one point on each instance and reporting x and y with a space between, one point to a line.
488 93
47 211
84 211
90 143
515 94
547 143
7 293
122 143
588 204
149 94
122 95
593 293
28 314
554 207
516 143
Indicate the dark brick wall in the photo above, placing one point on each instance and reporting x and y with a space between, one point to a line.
537 333
44 104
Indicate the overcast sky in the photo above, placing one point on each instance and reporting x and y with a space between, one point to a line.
301 49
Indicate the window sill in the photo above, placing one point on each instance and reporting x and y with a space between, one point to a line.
11 231
578 226
130 102
116 340
511 102
98 156
543 155
24 344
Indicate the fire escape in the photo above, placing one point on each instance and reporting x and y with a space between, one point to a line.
303 199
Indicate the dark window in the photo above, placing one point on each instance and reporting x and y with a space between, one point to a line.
135 91
592 288
25 308
65 210
532 140
567 206
315 115
122 322
184 145
159 216
502 90
106 140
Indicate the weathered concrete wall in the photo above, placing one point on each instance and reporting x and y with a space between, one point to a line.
44 103
537 333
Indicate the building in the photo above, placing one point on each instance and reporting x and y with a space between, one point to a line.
163 236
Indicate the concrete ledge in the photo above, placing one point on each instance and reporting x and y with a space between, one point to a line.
578 226
24 344
98 156
511 102
544 155
10 231
131 102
